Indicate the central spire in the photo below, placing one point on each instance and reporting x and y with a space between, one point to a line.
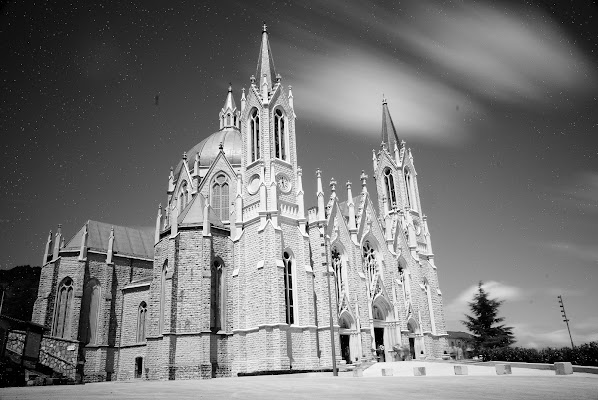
388 128
265 65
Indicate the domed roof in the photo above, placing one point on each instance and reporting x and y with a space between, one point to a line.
209 148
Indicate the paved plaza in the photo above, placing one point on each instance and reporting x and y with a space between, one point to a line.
481 384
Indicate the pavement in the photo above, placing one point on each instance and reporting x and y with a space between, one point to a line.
437 385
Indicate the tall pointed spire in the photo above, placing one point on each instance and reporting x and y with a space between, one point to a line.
265 64
389 132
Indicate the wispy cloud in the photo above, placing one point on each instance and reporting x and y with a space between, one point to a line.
438 66
586 253
455 309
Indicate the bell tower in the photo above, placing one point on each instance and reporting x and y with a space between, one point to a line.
274 274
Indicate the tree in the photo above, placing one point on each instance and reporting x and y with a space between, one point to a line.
487 335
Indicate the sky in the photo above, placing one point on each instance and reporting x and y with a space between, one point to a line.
497 101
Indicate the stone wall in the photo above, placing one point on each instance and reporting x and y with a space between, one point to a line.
61 355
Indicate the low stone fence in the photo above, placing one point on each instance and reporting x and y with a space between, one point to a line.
61 355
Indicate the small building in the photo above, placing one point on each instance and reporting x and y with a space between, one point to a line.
458 340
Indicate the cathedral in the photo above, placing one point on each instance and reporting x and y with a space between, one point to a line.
239 278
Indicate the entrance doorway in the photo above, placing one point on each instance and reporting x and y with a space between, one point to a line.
412 347
138 367
346 348
379 340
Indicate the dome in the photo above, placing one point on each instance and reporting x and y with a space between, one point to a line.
208 149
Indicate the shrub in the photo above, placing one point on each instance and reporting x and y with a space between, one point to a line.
586 354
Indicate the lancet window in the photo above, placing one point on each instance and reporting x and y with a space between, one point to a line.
62 316
220 197
337 265
289 285
141 317
389 185
254 132
217 298
279 135
370 267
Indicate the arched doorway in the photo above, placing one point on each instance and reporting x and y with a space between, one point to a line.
414 339
347 333
382 337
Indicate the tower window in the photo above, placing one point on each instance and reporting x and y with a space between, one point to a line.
62 316
227 119
220 196
288 287
409 184
254 131
389 185
279 135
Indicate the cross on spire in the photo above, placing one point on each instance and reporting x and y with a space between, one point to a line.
264 27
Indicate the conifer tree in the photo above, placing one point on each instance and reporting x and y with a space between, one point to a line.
482 324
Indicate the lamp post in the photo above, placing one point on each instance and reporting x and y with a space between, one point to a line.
565 319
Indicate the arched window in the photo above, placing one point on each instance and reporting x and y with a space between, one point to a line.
389 185
287 260
279 135
183 196
217 298
337 265
369 261
220 196
91 312
162 296
235 119
254 132
141 317
227 119
62 315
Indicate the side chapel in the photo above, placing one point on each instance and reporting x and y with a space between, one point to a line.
234 280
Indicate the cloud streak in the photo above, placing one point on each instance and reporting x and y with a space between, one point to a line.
440 68
455 310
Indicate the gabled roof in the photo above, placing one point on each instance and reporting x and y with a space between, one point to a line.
388 127
127 241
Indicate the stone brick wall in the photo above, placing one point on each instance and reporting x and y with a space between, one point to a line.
59 354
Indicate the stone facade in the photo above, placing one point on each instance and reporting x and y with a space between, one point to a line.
238 277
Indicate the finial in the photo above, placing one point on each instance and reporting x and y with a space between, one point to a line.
264 27
348 184
383 99
230 87
220 146
332 185
364 179
318 173
278 77
402 143
197 156
252 79
184 155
